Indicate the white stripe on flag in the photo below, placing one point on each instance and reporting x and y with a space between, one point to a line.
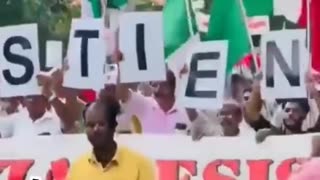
86 9
291 9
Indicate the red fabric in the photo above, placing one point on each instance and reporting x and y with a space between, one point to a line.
315 29
248 60
88 96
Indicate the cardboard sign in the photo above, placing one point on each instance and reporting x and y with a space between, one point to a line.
19 60
178 59
141 42
209 159
86 55
203 87
54 57
284 64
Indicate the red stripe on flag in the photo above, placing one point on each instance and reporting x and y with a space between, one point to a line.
315 29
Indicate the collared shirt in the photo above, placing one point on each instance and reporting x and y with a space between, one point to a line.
125 165
207 124
48 124
152 118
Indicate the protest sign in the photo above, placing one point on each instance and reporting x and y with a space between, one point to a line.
177 60
86 54
19 60
54 57
211 158
141 42
203 87
284 64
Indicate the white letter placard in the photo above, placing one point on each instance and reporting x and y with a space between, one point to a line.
86 54
19 60
203 87
284 64
54 54
141 42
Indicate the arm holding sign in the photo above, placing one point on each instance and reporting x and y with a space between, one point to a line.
253 108
70 110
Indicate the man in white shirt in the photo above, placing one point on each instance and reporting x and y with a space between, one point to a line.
9 107
228 121
38 119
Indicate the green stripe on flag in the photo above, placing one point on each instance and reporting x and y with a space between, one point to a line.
258 8
227 23
96 8
176 25
117 4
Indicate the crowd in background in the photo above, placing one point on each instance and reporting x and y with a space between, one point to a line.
151 108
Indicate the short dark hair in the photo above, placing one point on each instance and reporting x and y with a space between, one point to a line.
237 78
302 102
112 109
171 79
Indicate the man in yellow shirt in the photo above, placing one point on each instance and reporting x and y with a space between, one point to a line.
108 161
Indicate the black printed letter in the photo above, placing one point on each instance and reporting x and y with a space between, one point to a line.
273 53
141 53
195 73
85 35
18 59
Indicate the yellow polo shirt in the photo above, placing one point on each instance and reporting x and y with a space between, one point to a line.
125 165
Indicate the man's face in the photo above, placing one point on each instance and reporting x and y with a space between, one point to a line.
97 128
230 119
161 89
36 106
10 105
295 116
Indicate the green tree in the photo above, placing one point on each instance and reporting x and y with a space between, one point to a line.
52 16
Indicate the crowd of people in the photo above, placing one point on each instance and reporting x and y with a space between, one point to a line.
151 108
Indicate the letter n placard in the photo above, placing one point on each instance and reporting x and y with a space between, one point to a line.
284 64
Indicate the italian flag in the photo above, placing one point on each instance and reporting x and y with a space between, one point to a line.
179 24
232 25
93 8
295 11
315 29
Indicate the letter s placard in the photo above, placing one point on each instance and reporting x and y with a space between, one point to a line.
19 60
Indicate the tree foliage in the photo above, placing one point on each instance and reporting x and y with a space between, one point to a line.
52 16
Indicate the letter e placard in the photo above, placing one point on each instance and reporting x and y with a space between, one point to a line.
203 87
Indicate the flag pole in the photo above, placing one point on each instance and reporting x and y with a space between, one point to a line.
309 55
309 52
188 9
244 17
104 12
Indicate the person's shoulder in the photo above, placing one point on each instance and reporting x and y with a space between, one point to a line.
135 155
81 160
